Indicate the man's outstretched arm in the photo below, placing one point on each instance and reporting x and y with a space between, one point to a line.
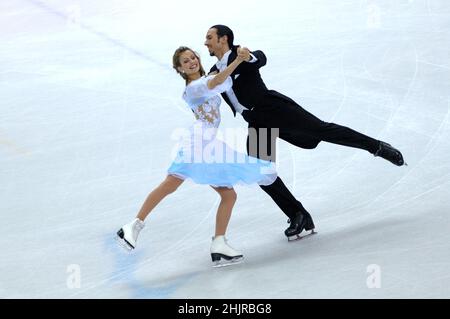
254 59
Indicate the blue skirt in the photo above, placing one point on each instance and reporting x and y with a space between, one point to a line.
205 159
226 174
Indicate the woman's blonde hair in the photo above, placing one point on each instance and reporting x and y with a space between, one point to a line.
176 61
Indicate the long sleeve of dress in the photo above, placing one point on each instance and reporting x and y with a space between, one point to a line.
197 92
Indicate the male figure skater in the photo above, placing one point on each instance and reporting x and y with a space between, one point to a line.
266 109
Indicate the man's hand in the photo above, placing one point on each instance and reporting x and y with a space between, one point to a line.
244 54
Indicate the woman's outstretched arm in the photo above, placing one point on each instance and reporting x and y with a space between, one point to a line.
222 76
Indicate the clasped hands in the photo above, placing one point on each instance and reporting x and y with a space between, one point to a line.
243 54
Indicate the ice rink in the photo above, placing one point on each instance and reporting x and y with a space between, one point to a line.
88 106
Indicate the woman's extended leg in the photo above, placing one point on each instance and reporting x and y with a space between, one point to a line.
168 186
128 234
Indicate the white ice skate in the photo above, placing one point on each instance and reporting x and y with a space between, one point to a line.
128 234
222 254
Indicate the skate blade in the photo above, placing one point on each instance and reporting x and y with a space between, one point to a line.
122 243
225 263
300 236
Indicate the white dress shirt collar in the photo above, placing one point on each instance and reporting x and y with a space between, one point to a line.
222 63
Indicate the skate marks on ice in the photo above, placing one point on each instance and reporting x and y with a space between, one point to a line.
124 275
12 147
127 263
102 35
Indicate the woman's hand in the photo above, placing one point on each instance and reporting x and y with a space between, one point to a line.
243 54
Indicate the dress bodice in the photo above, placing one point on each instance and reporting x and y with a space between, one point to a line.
205 102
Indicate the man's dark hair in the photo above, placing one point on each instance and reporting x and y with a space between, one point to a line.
224 30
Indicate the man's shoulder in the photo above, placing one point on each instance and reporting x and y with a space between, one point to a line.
213 69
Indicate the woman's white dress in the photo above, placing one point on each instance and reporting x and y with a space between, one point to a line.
207 160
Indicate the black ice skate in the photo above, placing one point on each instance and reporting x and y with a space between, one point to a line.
309 225
390 153
301 221
222 254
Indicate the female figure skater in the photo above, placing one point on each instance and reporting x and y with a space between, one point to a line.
203 158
